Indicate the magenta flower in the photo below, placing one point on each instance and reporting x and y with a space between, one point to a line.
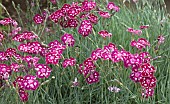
147 92
88 5
92 76
135 32
112 6
136 76
104 14
43 71
161 39
26 35
93 18
85 28
23 95
69 62
7 21
3 56
15 67
52 58
68 39
38 19
144 26
30 82
96 54
104 33
148 82
5 71
72 23
140 43
74 11
116 56
55 16
10 52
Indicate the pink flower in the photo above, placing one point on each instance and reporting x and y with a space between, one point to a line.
85 28
74 11
161 39
93 18
30 82
7 21
104 33
43 71
148 82
68 39
88 5
144 26
38 19
23 95
72 23
10 52
52 58
104 14
140 43
69 62
147 92
112 6
135 32
55 16
3 56
92 76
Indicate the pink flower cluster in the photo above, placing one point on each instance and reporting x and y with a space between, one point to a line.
140 43
142 70
26 35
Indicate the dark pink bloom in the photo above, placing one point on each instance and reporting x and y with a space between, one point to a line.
19 81
104 14
144 26
10 52
116 56
104 33
26 35
161 39
72 23
55 16
74 11
96 54
15 67
144 41
88 5
136 76
93 18
140 43
112 6
89 64
68 39
23 95
135 32
85 28
147 92
52 58
148 82
92 76
30 82
69 62
5 71
3 56
7 21
43 71
65 8
38 19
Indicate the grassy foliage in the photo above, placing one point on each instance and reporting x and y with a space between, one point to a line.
58 90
